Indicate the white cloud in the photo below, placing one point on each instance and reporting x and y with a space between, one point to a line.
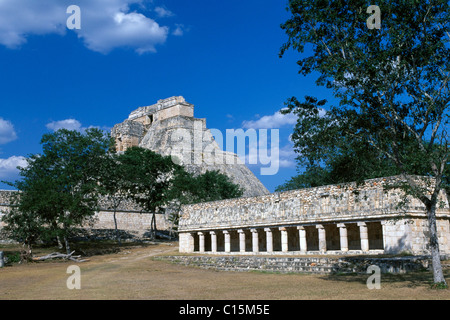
7 132
105 24
132 30
69 124
8 167
179 31
163 12
73 124
276 120
287 156
19 18
284 157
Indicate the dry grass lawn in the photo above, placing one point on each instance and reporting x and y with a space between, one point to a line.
133 274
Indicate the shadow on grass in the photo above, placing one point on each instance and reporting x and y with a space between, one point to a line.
411 279
85 248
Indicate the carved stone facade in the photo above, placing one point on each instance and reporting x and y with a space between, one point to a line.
331 219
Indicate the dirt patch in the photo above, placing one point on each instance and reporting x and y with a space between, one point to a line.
132 273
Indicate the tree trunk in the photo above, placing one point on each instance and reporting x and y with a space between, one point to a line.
115 227
58 237
27 253
438 275
30 249
66 242
153 226
60 245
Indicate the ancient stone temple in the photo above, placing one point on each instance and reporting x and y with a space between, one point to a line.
336 219
169 128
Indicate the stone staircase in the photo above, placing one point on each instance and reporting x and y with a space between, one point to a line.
315 265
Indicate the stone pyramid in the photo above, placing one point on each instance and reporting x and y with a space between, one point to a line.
169 128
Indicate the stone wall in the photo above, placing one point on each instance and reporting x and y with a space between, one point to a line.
133 222
129 216
5 197
366 217
313 205
127 134
5 203
320 265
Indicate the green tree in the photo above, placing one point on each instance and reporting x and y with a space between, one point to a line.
114 183
209 186
59 187
25 226
329 154
150 180
392 84
156 183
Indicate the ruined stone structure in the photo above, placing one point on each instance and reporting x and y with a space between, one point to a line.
132 222
330 219
336 219
170 129
5 203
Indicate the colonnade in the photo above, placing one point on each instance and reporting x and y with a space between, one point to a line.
363 236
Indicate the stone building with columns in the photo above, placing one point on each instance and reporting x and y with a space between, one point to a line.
336 219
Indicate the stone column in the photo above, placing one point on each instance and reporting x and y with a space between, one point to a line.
284 239
343 236
322 238
302 237
191 242
385 227
364 235
255 240
269 239
227 241
201 242
241 240
213 241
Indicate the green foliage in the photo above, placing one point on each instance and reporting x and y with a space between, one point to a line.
439 286
59 188
330 153
149 180
155 182
12 257
150 177
392 86
209 186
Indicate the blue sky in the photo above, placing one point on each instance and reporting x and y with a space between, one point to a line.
221 56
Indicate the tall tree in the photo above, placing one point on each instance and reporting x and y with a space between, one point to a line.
392 83
60 186
113 185
209 186
156 183
150 182
329 154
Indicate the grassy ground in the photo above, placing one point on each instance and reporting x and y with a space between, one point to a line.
131 273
